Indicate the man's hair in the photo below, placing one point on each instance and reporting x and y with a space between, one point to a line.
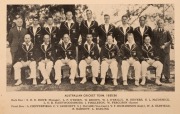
89 34
106 15
88 10
130 34
142 17
68 11
124 16
26 35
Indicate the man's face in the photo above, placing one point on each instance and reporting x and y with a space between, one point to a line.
106 19
147 40
69 15
110 40
35 22
160 24
89 37
130 38
124 20
27 38
46 38
142 21
66 38
19 22
89 14
50 21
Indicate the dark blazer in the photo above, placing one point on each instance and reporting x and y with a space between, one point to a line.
69 52
84 30
54 34
151 52
109 53
49 53
159 38
15 38
103 34
24 54
37 39
94 52
139 39
134 52
73 31
120 36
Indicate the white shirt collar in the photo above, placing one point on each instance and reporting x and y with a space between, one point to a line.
36 26
45 44
71 21
88 44
28 43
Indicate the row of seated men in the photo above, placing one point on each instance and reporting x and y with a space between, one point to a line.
160 37
46 56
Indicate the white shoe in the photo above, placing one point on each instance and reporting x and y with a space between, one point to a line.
125 83
143 81
43 82
115 82
136 82
94 80
19 82
34 81
49 81
158 82
102 82
58 82
84 80
72 81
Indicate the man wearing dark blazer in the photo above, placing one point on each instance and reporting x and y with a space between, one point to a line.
52 31
66 55
71 28
36 32
162 40
121 31
104 30
45 59
16 37
89 26
90 55
142 31
25 57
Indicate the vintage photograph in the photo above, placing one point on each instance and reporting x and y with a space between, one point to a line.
90 47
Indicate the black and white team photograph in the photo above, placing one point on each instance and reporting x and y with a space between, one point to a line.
90 47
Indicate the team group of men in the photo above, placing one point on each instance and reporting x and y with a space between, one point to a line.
48 47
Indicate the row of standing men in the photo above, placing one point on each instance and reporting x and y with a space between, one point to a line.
160 38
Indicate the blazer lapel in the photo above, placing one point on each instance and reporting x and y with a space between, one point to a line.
145 30
24 48
121 30
31 30
53 29
110 27
103 28
38 29
47 30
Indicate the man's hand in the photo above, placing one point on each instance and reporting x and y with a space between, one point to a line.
151 61
7 44
23 63
162 47
88 61
63 61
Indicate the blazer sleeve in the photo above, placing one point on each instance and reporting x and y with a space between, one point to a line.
10 37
